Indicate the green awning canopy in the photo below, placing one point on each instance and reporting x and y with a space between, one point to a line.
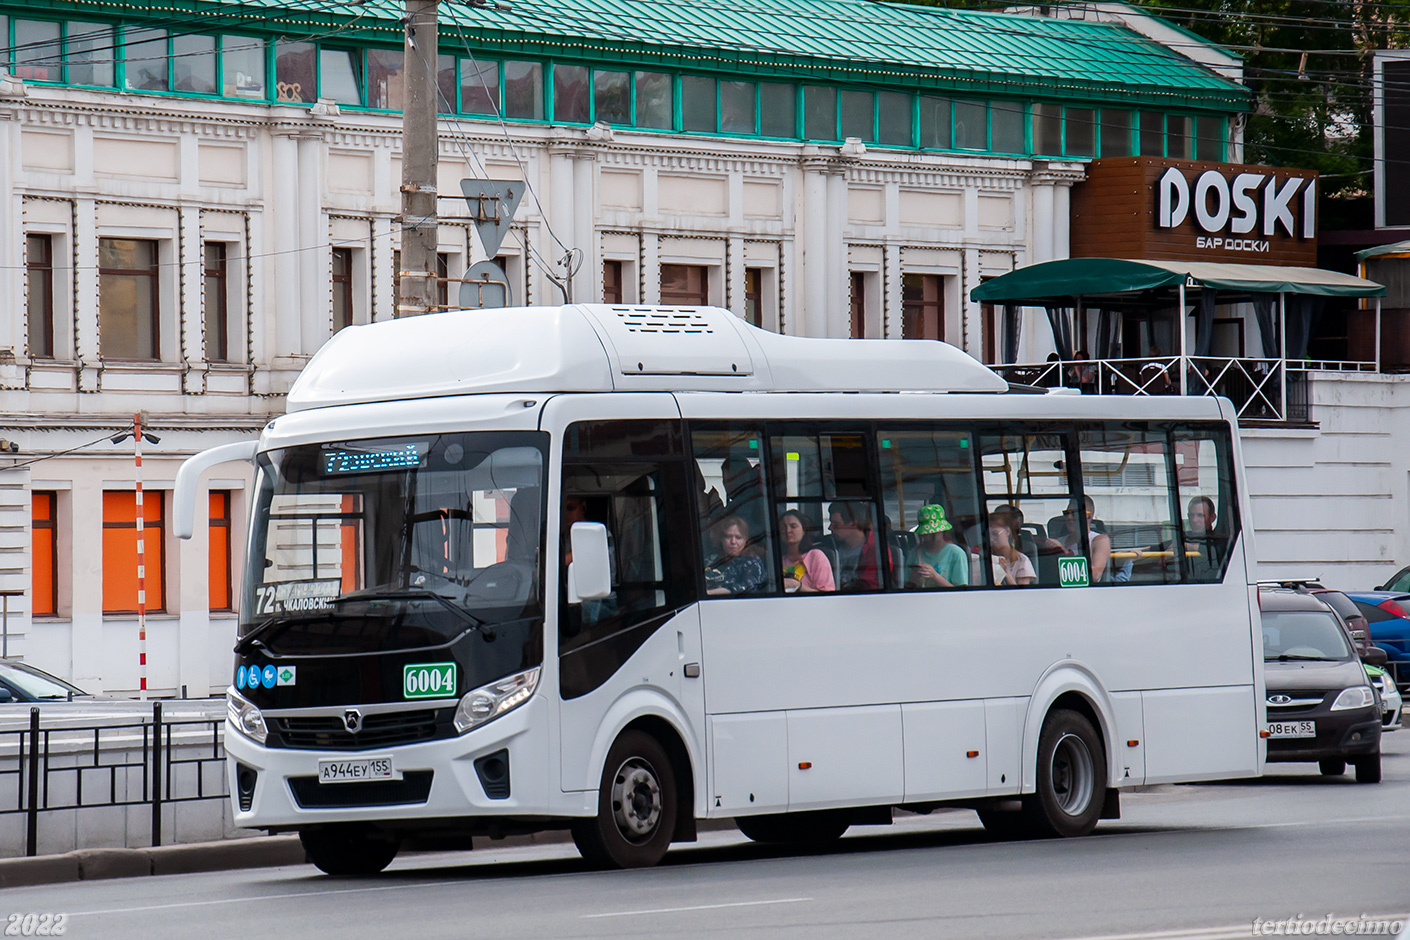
1394 248
1057 283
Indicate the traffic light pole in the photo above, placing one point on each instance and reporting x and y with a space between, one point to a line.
420 149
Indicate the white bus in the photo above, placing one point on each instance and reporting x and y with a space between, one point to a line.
620 569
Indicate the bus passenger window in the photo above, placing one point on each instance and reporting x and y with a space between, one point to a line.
825 478
1026 482
735 528
1126 479
929 491
1205 479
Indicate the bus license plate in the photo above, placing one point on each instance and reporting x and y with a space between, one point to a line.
1292 729
354 771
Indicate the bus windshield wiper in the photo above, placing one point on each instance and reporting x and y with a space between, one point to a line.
417 594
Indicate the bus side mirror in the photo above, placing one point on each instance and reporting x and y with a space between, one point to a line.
590 571
1374 656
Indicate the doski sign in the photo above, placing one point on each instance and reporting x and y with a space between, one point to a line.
1246 207
1184 210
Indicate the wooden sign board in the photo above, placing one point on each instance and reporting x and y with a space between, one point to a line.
1184 210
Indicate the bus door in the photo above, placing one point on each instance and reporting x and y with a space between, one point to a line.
628 473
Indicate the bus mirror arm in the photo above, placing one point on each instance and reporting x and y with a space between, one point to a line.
188 481
590 571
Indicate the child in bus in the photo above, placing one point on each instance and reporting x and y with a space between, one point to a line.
1012 568
939 561
805 568
736 570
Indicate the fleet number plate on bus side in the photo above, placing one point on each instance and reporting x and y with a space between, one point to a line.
354 771
1292 729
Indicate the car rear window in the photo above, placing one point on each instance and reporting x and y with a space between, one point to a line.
1303 634
1339 602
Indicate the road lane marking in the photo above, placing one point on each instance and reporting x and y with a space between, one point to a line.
697 907
260 897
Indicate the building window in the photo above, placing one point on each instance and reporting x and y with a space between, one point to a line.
778 110
479 87
571 98
819 112
144 60
1047 129
754 296
36 51
1008 127
1081 132
685 284
386 85
443 280
88 54
339 75
971 125
612 282
1210 144
655 100
893 119
698 103
523 90
342 288
128 308
921 307
39 294
193 64
1152 134
217 301
120 551
737 107
220 593
242 67
296 72
44 563
859 305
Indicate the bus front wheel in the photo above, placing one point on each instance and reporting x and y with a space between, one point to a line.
348 849
636 806
1067 798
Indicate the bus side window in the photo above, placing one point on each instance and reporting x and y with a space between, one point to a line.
1126 475
932 506
1205 479
826 477
735 531
1026 484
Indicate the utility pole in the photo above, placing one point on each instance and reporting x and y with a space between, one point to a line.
420 149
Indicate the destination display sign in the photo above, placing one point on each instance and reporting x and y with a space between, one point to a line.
1185 210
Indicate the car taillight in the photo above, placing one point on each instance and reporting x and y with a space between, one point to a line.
1394 609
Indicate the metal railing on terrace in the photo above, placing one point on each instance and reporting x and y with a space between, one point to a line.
1260 389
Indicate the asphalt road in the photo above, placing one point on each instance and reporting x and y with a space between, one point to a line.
1199 861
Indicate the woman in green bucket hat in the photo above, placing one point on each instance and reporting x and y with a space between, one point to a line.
939 561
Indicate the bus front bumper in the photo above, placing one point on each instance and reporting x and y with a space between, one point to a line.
279 788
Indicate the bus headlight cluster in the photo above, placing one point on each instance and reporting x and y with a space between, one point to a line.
1358 696
245 717
490 701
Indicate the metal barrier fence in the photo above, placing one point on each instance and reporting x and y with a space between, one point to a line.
102 776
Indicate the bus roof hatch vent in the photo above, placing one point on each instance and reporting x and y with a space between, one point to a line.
675 341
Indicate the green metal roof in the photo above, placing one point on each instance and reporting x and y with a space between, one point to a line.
861 41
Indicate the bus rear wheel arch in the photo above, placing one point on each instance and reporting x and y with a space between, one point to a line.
638 803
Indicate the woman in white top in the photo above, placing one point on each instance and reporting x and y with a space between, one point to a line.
1012 568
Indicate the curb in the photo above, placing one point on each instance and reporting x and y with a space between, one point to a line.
94 864
253 852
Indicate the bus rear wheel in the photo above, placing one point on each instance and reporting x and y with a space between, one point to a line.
348 849
1067 798
636 806
815 828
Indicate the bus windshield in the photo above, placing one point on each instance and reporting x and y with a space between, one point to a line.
394 543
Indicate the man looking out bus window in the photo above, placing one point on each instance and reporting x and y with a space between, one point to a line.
851 528
1203 546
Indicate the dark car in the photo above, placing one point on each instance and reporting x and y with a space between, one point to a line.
1356 622
21 682
1321 706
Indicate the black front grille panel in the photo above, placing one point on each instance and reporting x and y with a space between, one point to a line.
414 787
384 729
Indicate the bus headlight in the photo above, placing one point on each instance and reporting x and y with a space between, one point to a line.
1358 696
490 701
245 717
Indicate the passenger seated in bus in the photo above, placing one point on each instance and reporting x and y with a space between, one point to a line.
939 561
1204 546
736 569
805 568
1074 520
858 568
1012 568
575 509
